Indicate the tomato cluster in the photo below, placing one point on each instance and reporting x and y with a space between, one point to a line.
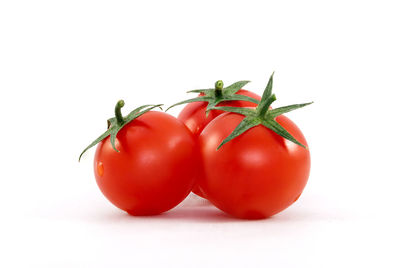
227 145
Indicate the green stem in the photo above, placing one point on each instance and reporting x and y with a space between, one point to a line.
118 114
219 85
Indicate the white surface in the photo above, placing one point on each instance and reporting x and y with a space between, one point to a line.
64 64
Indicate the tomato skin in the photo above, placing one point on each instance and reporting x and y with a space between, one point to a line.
193 115
255 175
155 168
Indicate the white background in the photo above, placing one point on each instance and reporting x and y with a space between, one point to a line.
64 64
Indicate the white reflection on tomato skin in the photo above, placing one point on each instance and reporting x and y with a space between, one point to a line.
147 157
192 125
173 142
290 146
212 142
254 158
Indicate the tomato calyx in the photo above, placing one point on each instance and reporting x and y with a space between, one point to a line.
218 94
262 115
115 124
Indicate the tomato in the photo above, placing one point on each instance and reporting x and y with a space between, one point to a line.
257 174
255 160
152 167
193 115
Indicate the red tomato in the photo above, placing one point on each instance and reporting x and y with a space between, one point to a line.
155 168
194 116
255 175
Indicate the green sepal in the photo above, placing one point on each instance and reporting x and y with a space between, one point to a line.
244 125
262 115
285 109
96 141
237 97
201 98
278 129
235 87
115 124
205 91
266 97
214 96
